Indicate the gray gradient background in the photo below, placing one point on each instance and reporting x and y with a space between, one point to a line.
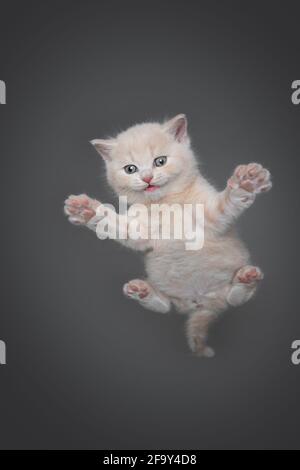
86 367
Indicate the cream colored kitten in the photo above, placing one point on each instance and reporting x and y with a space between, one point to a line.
154 162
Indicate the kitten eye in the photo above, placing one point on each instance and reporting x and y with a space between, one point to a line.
160 161
130 169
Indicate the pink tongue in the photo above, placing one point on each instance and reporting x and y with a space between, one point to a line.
151 188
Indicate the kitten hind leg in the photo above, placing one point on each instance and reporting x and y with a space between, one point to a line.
197 330
147 296
244 285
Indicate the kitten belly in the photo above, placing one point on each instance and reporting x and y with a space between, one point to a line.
194 275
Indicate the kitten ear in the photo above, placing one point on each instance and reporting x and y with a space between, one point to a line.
177 127
104 147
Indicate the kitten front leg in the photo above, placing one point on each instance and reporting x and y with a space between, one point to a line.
145 294
242 188
80 209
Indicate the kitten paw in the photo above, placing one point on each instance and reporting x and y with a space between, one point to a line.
136 289
252 178
249 275
80 209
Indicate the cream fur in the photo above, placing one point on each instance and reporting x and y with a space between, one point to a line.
200 283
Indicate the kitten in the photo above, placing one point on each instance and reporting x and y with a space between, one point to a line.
154 162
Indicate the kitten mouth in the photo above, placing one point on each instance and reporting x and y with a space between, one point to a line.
150 188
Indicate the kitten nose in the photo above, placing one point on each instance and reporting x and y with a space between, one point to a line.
147 179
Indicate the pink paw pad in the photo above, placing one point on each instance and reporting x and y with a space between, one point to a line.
253 178
249 274
80 208
136 289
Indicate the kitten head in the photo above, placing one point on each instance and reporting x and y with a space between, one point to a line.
148 161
